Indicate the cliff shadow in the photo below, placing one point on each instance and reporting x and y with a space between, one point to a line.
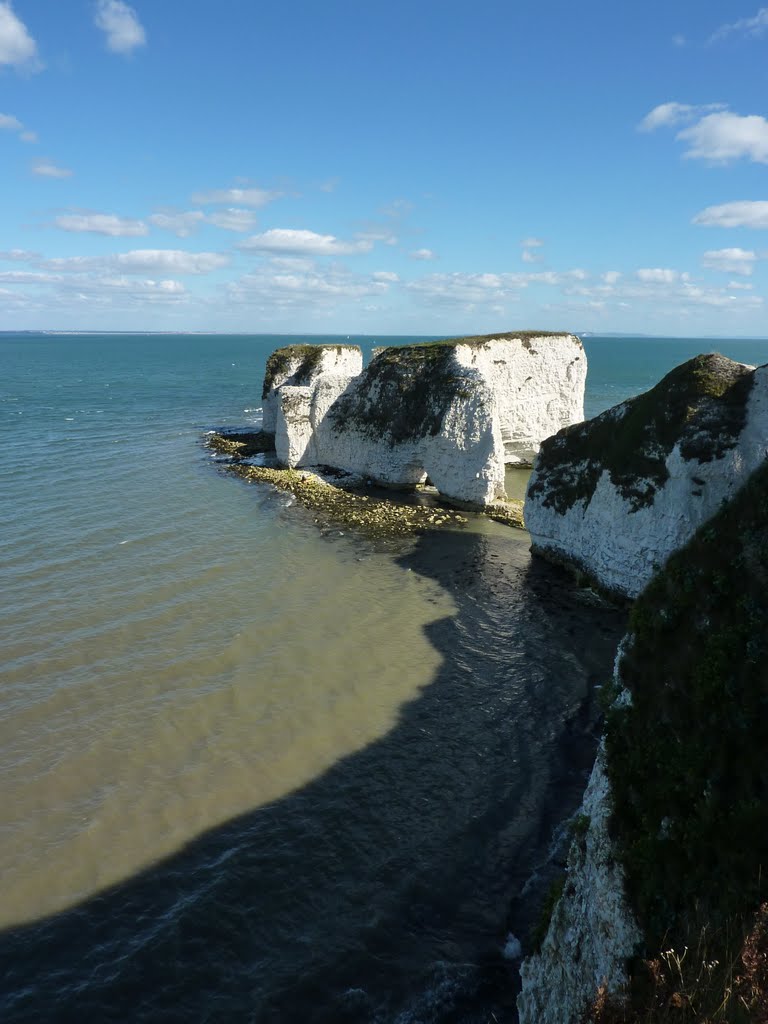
380 891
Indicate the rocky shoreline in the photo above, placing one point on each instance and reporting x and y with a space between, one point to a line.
340 499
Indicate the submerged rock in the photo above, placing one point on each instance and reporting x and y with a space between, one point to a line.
615 496
454 411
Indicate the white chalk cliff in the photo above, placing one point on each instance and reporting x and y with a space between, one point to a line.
454 412
302 365
592 932
615 496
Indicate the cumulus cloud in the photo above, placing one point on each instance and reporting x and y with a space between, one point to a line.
101 224
667 115
530 257
120 24
423 254
744 213
726 136
314 288
141 261
17 47
659 275
754 26
232 219
386 275
10 123
304 243
48 169
731 261
169 261
181 224
611 276
532 243
18 255
236 197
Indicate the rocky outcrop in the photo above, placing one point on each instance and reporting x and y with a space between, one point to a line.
681 780
302 365
592 931
615 496
454 412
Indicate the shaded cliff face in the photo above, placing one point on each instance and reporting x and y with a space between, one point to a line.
675 816
616 495
300 365
687 758
454 411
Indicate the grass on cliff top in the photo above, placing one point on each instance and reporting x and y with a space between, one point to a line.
688 759
403 393
308 356
700 404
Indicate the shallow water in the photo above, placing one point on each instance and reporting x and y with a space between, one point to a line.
251 771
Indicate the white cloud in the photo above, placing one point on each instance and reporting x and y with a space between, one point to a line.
236 197
658 275
232 219
731 261
120 24
531 257
740 214
101 224
10 123
740 285
318 289
17 47
679 39
386 275
181 224
668 114
47 169
611 276
19 255
141 261
726 136
423 254
532 243
304 243
169 261
754 26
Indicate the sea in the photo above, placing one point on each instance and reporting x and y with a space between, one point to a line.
255 768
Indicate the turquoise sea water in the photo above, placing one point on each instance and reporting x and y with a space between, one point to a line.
251 771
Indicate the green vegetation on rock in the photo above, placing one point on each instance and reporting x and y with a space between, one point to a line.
404 392
701 405
308 357
687 757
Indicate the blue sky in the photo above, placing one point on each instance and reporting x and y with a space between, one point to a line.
422 167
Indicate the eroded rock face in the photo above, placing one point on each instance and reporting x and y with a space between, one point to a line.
452 411
615 496
301 365
592 932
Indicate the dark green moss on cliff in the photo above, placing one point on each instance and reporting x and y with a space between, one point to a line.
404 392
688 760
701 405
309 357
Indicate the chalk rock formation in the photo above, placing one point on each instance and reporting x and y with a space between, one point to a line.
453 411
681 773
301 365
592 932
616 495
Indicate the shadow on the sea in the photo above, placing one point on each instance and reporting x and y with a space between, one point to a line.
381 891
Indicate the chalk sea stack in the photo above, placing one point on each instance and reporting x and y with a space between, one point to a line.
454 412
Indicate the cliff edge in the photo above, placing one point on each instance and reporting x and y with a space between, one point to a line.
615 496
